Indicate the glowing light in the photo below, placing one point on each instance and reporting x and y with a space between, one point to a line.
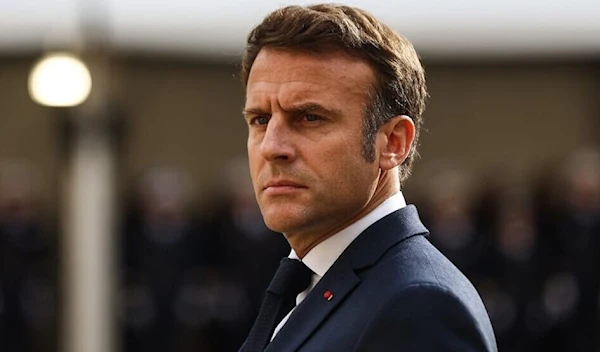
60 80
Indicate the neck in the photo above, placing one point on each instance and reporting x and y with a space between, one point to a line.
387 186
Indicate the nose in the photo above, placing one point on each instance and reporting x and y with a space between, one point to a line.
277 142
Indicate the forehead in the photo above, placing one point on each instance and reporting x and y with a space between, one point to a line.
296 75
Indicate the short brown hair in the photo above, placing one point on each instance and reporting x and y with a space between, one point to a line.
400 86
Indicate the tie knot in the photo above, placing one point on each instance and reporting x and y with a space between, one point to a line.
291 278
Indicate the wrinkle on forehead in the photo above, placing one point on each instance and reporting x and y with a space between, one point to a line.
294 76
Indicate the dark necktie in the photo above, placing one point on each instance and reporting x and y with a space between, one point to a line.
291 278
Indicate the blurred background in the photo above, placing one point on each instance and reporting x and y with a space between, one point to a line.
127 219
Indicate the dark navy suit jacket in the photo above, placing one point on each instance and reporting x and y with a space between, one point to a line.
391 291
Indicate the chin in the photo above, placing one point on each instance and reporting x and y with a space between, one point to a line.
278 225
281 222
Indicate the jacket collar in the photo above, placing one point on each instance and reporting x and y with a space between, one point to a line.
341 278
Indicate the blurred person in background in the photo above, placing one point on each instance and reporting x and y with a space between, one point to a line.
449 215
27 288
165 251
244 252
334 100
572 294
514 269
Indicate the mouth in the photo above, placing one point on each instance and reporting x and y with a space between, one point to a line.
283 183
282 186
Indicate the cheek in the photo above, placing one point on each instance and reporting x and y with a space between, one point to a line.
349 174
340 160
254 166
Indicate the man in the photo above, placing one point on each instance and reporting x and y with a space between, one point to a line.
334 100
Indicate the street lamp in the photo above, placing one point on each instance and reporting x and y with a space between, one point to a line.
60 80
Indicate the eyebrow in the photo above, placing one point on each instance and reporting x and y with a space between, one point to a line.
253 111
301 108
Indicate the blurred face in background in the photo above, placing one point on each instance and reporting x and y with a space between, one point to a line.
305 116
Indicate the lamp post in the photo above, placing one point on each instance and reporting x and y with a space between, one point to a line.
63 80
60 80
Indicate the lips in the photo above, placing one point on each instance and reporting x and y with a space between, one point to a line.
283 184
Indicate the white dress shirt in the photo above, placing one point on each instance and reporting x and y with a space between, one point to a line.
324 254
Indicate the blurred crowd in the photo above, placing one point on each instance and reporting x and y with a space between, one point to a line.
194 282
194 268
532 251
28 285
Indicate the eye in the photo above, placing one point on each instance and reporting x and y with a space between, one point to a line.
311 117
260 120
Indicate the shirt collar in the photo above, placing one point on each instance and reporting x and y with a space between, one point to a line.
323 255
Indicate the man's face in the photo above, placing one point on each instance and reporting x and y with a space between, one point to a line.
305 117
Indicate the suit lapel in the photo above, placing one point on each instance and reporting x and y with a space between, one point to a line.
372 244
341 278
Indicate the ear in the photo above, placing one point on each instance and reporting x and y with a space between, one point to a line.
396 136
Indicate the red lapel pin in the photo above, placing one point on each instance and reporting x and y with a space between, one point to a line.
328 295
